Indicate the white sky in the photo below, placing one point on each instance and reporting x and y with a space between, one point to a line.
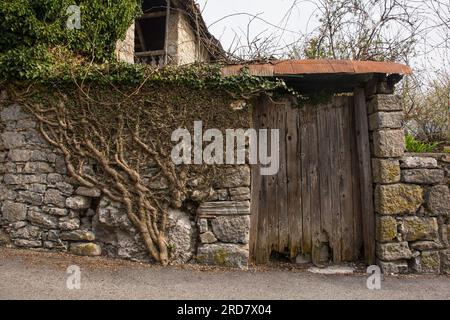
274 13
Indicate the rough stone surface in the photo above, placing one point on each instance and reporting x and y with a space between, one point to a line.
240 194
208 237
28 243
393 251
439 200
415 228
425 245
445 261
88 192
86 249
202 225
180 237
385 102
389 143
423 176
409 162
69 224
13 211
397 267
386 228
54 197
227 255
42 219
78 203
429 262
78 235
398 198
235 177
386 171
382 120
232 229
227 208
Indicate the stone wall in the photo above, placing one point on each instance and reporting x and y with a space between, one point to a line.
125 47
41 207
412 197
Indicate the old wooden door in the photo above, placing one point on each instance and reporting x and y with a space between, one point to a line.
312 206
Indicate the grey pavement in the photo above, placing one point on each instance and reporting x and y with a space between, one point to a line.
32 275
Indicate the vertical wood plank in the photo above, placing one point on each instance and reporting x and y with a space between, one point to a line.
272 187
347 190
262 245
365 172
356 196
282 193
255 192
335 186
324 170
315 188
293 179
306 181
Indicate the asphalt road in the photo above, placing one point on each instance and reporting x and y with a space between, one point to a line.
31 275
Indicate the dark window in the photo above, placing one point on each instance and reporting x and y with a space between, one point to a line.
152 32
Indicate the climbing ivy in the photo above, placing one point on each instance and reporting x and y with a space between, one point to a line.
32 29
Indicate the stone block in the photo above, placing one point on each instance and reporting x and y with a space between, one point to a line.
28 233
417 228
237 176
398 198
55 197
393 251
208 238
389 143
69 224
240 194
422 176
78 203
77 235
439 200
395 267
409 162
223 254
88 192
384 102
13 113
386 171
13 211
224 208
28 243
12 140
86 249
429 262
42 219
386 227
234 229
386 120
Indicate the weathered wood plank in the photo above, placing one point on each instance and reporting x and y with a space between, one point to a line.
272 187
315 191
256 183
335 243
365 172
282 192
324 170
293 157
356 197
347 190
262 251
306 180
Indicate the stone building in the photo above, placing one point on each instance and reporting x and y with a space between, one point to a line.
169 32
346 190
